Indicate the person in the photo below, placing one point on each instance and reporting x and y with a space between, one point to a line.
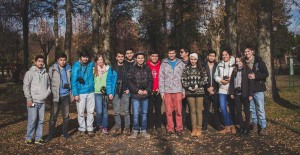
241 90
129 58
36 87
100 76
171 90
155 102
259 75
82 81
60 74
211 93
184 55
222 77
140 85
194 80
118 92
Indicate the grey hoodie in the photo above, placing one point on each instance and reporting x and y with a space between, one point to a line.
36 85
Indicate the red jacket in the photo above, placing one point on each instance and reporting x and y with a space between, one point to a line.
155 73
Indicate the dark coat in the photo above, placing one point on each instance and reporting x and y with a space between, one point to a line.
247 85
261 73
140 78
215 85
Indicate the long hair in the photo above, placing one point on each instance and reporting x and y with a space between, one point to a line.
245 66
199 64
95 60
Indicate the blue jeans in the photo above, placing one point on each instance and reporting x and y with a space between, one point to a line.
117 103
257 108
101 110
140 109
87 101
223 98
35 121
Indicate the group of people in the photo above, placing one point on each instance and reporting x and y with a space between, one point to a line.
139 86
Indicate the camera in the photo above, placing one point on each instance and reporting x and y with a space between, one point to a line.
103 90
225 77
66 86
80 80
119 87
155 93
237 90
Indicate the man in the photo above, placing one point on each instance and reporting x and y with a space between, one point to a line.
83 90
129 61
155 99
211 96
260 73
60 74
36 89
171 90
184 54
118 92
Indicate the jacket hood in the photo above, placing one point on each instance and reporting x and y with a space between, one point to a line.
231 62
150 64
35 69
67 67
166 60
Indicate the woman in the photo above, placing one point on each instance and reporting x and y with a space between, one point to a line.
241 90
100 75
194 78
140 83
222 76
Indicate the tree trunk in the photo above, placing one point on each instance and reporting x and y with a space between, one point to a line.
164 10
25 24
68 33
105 7
264 39
230 20
95 24
56 27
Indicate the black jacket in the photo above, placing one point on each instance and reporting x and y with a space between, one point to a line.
211 77
247 85
140 78
261 73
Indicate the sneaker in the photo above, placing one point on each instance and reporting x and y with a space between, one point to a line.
40 142
134 134
145 134
30 141
66 135
262 132
127 131
98 128
91 134
105 131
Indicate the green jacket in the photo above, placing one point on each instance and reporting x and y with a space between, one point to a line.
100 81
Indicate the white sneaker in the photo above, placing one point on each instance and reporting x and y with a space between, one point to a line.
134 134
145 134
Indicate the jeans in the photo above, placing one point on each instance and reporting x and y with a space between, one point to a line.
239 102
258 110
64 103
196 107
208 101
173 103
101 111
140 109
155 103
117 103
87 101
35 121
223 105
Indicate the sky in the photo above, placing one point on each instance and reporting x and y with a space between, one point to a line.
295 20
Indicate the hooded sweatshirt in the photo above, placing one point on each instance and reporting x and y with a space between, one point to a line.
224 69
36 85
100 81
155 74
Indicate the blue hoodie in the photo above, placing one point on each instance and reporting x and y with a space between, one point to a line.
85 72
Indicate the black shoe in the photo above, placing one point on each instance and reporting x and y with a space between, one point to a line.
219 127
179 133
29 142
240 132
204 127
40 142
246 132
159 130
66 135
262 132
91 134
49 137
151 131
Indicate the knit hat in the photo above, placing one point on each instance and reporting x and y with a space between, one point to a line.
140 53
195 55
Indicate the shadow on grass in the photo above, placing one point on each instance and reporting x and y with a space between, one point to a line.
286 104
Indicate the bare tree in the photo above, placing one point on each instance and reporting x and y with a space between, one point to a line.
68 33
230 20
95 23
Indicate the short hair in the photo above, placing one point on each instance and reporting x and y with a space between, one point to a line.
171 48
186 50
228 50
212 52
84 53
61 55
39 57
153 52
120 52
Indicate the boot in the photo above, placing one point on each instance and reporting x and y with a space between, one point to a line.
233 130
51 131
66 128
199 132
226 130
194 132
